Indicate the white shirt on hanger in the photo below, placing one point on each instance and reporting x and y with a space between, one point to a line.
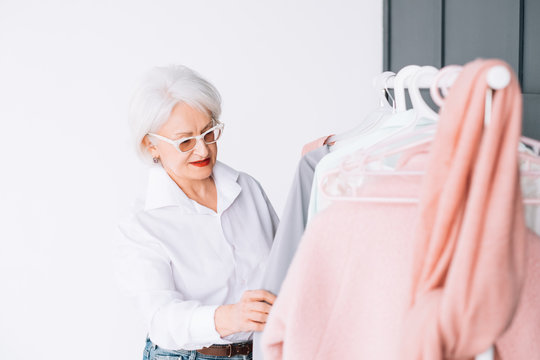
393 125
180 260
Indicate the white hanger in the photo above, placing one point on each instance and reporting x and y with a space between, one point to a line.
399 86
444 78
412 77
420 106
373 118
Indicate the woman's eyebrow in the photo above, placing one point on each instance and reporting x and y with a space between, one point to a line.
208 126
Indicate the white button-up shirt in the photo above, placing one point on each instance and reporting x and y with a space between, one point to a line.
181 260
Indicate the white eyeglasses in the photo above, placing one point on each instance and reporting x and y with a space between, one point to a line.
187 144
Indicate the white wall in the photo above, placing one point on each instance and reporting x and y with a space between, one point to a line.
289 72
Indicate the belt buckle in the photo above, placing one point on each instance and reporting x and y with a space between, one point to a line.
230 350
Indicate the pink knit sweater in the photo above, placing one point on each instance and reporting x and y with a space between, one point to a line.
346 290
345 295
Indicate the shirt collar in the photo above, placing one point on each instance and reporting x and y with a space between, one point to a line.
162 191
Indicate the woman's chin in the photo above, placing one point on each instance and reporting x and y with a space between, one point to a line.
200 173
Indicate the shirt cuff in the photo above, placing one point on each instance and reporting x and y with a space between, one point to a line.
202 326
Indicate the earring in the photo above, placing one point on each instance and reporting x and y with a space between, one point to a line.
156 160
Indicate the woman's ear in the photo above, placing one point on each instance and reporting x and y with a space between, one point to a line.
150 147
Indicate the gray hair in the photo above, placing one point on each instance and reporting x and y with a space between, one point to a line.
161 89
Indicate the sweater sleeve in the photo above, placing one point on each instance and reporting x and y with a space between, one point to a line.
521 340
143 273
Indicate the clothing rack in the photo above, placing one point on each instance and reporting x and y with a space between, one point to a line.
498 78
383 133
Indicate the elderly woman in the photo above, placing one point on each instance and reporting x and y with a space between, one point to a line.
195 245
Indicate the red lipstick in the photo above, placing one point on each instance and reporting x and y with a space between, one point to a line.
201 163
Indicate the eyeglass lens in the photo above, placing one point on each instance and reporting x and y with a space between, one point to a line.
209 137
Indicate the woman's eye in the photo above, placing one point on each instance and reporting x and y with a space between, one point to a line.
187 144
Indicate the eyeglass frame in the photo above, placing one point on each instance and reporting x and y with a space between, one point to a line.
176 143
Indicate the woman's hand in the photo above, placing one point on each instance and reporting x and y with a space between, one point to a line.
249 314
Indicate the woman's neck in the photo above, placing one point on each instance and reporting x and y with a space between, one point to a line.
202 191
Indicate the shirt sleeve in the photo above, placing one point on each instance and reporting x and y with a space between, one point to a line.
273 216
144 273
274 219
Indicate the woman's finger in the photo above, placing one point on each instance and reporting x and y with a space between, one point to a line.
256 326
258 317
261 295
259 306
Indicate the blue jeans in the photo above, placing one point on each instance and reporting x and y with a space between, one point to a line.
154 352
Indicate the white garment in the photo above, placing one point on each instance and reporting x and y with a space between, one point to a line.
530 187
180 260
393 125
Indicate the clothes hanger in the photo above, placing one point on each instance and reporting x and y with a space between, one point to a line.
406 132
423 110
410 77
374 117
381 82
399 86
528 157
444 78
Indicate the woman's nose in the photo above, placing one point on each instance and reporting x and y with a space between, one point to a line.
201 148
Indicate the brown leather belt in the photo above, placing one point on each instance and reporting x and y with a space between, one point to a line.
228 350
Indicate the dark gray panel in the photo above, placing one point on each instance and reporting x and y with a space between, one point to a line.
531 115
481 28
425 95
415 33
531 47
386 35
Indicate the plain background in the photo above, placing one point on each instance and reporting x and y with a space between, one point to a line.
288 71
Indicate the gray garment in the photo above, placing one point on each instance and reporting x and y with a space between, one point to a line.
290 230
